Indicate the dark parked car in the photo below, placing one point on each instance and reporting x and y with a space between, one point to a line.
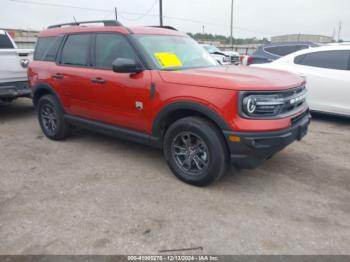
270 52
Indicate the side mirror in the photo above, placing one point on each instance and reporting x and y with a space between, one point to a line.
125 65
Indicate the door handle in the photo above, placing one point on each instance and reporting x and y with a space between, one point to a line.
58 76
98 80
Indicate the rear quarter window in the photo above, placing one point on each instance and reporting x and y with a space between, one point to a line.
338 59
47 47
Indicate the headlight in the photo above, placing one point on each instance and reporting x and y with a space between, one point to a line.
262 105
249 104
271 104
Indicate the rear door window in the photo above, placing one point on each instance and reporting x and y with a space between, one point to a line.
337 59
75 51
110 46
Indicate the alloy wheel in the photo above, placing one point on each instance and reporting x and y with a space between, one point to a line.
190 153
49 118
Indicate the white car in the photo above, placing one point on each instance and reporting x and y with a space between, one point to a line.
235 56
217 54
327 73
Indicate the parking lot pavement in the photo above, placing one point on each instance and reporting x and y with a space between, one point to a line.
93 194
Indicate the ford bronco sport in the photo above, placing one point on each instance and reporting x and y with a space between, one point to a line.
159 87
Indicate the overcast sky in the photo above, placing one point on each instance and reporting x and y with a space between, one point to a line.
260 18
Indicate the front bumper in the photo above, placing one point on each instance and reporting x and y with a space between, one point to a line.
14 89
254 148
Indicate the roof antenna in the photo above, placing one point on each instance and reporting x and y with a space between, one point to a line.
116 13
75 20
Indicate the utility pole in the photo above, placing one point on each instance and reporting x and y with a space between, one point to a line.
203 29
231 28
339 30
161 12
333 34
116 13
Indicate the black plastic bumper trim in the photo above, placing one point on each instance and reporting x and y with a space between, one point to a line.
14 89
254 148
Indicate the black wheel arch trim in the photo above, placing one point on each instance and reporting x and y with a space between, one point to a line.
43 87
186 105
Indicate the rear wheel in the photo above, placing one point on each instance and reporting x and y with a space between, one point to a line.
51 118
195 151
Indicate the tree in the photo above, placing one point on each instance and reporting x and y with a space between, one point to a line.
226 40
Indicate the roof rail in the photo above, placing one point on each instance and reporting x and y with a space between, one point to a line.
165 27
104 22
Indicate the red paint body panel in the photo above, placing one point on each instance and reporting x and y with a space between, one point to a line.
114 101
241 78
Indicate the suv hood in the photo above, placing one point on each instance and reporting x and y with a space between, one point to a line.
234 78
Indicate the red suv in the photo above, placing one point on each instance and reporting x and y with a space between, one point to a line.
159 87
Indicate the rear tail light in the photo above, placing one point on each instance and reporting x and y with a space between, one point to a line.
246 59
250 59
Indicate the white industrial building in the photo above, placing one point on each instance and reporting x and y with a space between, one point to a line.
302 38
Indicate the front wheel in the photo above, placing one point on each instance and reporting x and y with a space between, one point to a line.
195 151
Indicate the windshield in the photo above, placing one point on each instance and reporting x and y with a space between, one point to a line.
175 52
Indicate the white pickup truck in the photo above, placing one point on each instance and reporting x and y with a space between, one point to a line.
13 69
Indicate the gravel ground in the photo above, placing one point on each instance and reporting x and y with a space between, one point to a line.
93 194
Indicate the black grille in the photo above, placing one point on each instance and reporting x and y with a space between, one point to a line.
288 96
234 59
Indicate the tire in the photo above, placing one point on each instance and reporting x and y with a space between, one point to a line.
195 151
51 118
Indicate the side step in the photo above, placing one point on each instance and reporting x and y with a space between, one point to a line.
111 130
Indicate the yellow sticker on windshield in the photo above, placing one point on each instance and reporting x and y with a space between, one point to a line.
168 59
